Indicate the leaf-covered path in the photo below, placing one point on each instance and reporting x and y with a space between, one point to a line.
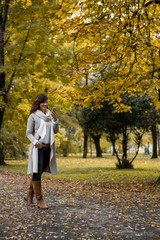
79 211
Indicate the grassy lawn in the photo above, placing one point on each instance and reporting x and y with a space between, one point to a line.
96 170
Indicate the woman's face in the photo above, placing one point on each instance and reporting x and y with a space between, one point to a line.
44 106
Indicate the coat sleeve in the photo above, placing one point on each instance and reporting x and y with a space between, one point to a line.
30 130
55 126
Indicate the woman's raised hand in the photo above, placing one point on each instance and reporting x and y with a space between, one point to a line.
54 115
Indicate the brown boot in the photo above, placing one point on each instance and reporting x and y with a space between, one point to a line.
38 194
30 194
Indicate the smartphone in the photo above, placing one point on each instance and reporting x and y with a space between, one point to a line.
54 109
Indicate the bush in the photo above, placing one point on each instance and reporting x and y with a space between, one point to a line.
13 145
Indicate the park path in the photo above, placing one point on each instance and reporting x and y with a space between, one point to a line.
79 211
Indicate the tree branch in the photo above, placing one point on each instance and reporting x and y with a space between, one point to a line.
19 60
5 15
152 1
138 146
6 41
0 13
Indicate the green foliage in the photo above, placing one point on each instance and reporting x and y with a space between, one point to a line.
67 146
13 144
138 120
91 120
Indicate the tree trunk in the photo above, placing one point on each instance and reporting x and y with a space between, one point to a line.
96 140
3 94
158 143
2 162
113 152
158 180
85 146
154 139
124 147
116 153
91 148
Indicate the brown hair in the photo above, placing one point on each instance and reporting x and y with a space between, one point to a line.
40 98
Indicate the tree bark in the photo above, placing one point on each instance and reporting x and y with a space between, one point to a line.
3 94
2 162
85 145
96 140
124 147
91 148
113 152
158 143
114 149
154 139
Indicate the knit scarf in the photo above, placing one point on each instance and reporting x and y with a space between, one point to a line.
44 118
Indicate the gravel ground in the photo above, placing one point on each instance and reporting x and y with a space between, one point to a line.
79 211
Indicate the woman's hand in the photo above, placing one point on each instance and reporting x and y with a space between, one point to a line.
39 145
54 115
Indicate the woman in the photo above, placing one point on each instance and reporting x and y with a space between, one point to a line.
41 126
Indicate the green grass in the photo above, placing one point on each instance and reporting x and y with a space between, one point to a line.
96 170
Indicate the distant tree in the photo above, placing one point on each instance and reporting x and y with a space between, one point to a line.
116 125
137 121
81 115
92 122
155 119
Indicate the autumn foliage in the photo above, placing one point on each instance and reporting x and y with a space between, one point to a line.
115 45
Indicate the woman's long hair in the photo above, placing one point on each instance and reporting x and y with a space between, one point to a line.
40 98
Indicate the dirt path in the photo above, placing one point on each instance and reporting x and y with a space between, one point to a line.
79 211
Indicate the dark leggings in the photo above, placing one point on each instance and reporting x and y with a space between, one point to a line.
43 162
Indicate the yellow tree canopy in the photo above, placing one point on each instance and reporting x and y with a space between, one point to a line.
31 58
116 49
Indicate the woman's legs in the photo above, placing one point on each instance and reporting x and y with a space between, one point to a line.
43 161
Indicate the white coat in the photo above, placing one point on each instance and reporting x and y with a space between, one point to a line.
33 125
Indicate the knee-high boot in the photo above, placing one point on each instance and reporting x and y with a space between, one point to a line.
38 194
30 194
